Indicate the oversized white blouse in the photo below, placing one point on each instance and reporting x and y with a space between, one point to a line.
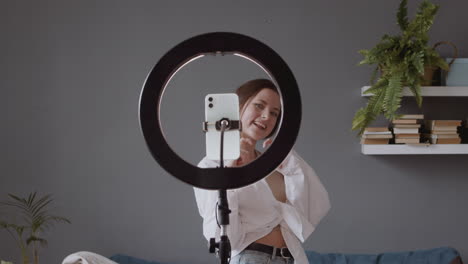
255 210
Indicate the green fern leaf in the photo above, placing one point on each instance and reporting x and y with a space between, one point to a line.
374 74
393 95
422 22
359 119
418 62
375 105
402 15
365 116
379 85
441 63
416 90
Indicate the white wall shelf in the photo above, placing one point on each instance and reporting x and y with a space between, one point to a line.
409 149
431 91
421 149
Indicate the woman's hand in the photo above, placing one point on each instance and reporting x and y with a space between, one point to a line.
267 142
247 153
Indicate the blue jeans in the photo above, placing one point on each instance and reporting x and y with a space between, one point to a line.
257 257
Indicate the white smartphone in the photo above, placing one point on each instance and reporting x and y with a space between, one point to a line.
217 107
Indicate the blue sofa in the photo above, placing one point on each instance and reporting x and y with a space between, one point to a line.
443 255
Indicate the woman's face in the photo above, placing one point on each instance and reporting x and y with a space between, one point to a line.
260 114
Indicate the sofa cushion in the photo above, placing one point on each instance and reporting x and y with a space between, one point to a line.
124 259
443 255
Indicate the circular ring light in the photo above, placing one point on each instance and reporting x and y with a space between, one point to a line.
180 55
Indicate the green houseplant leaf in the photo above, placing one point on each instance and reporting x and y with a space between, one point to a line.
400 60
36 218
402 15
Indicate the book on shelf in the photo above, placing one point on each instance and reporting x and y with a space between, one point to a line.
430 124
405 130
416 116
444 128
407 125
376 129
440 132
377 133
377 136
407 135
406 140
445 140
405 121
441 135
448 140
374 141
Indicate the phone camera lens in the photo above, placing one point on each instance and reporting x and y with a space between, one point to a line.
210 105
210 99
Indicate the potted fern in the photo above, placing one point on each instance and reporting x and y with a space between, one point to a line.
35 220
400 61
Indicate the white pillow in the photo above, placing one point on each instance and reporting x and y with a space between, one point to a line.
85 257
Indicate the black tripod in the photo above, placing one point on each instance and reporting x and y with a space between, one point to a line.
223 247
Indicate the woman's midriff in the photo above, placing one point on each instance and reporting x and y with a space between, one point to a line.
274 238
276 183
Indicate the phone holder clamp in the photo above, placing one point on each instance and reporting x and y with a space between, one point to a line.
232 125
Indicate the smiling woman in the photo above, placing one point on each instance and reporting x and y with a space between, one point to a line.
260 108
271 217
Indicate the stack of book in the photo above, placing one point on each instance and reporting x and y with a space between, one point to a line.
442 131
406 129
376 135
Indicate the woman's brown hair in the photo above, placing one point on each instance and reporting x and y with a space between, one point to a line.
250 89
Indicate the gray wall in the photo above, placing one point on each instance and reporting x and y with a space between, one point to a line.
70 77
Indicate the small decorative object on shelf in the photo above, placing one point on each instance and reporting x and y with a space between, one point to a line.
401 61
435 76
458 73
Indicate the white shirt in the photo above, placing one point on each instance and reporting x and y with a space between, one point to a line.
255 211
